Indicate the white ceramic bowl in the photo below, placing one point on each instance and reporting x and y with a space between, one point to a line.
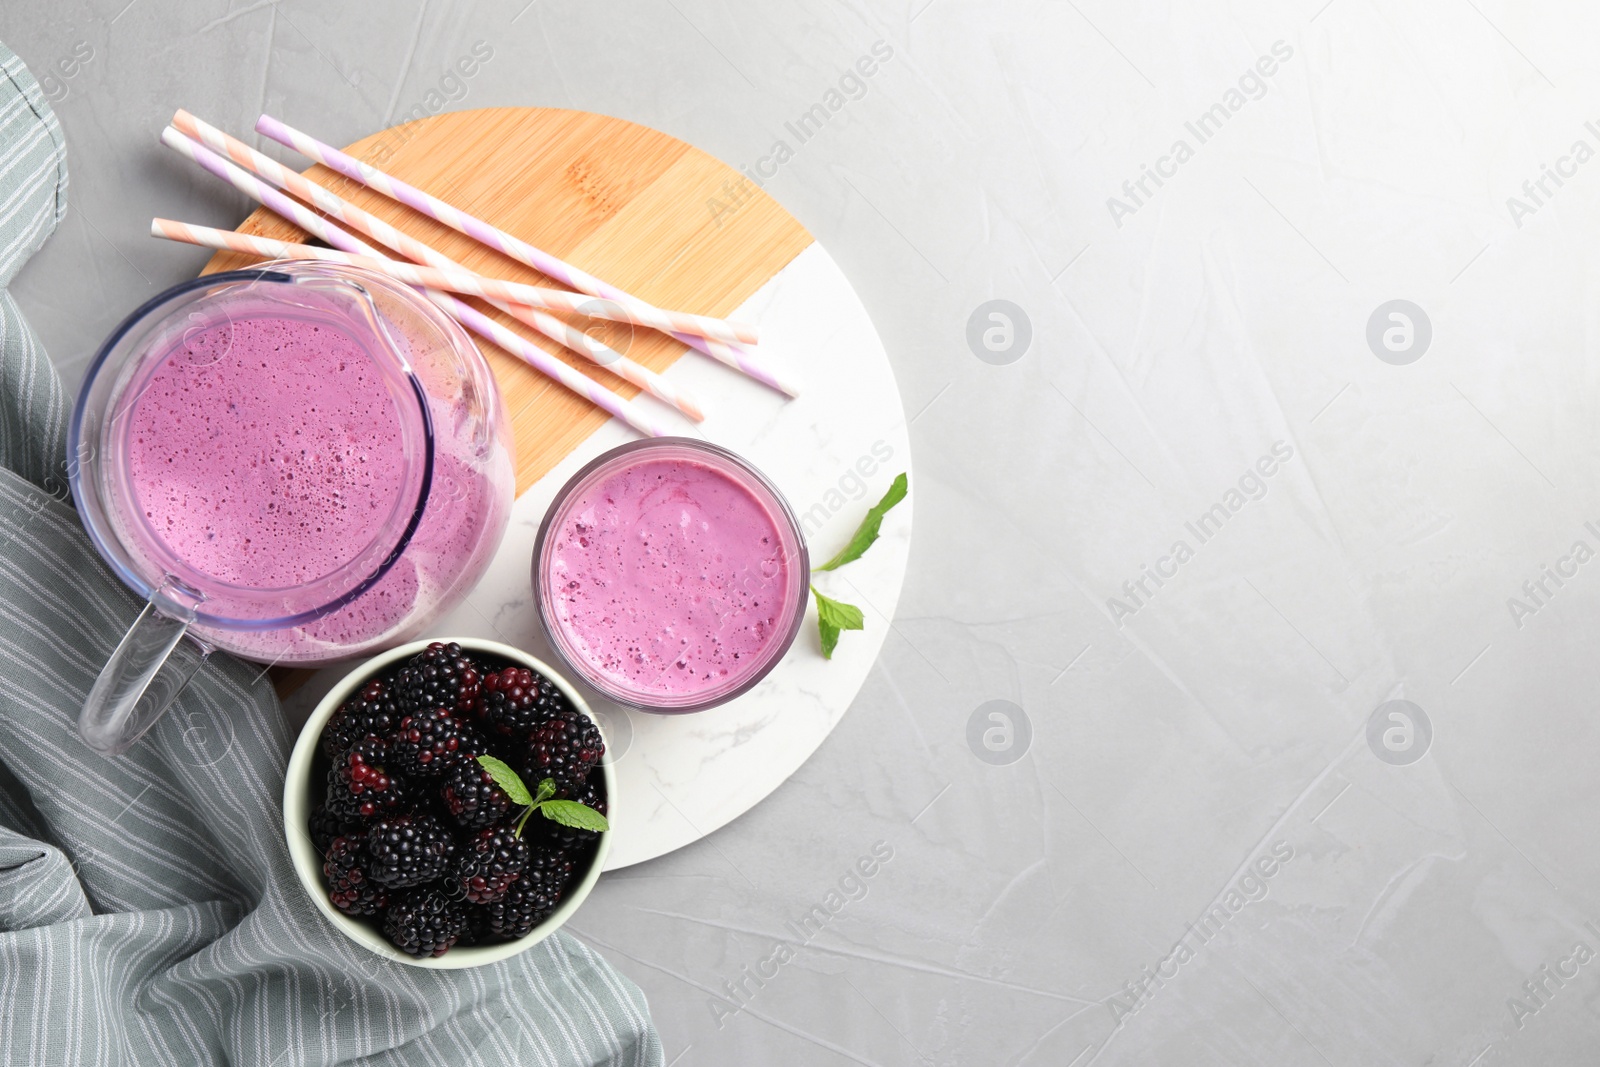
303 791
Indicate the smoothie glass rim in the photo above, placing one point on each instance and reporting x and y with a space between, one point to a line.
752 480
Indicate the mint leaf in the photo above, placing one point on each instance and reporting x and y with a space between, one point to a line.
547 789
832 617
838 614
571 813
829 635
507 779
867 532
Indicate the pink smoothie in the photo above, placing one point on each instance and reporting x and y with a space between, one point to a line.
669 577
266 451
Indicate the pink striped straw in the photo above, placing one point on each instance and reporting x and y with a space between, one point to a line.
475 321
408 246
739 358
453 281
449 279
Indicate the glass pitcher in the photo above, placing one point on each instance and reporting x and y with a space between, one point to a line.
297 464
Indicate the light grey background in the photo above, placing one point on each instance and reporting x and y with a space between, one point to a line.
1208 724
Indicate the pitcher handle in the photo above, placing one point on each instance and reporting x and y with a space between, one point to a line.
140 681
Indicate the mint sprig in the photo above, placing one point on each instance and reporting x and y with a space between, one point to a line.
542 799
835 616
867 532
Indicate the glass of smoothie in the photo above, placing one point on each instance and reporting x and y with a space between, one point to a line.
670 574
297 464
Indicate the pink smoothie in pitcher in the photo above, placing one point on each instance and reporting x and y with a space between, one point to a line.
266 451
672 577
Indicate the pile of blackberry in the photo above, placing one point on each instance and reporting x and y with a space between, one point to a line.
415 834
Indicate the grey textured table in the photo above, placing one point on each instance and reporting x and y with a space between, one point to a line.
1262 509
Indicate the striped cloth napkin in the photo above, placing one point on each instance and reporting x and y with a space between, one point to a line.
148 910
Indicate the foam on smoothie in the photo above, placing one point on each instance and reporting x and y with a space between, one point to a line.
265 449
669 577
266 452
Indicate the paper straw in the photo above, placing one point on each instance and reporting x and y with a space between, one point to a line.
450 280
382 232
480 324
429 277
739 358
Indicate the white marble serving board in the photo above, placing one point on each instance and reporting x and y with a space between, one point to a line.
833 452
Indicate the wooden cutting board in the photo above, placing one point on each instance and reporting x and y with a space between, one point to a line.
646 212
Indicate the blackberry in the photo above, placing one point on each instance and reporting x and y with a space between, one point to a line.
529 899
349 888
426 743
551 867
470 932
430 805
360 786
570 838
441 676
516 700
471 797
424 922
487 865
408 850
371 711
565 748
325 826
